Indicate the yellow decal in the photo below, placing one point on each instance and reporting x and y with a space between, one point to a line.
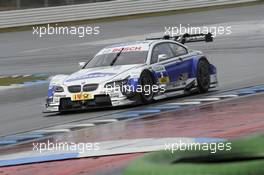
82 96
164 80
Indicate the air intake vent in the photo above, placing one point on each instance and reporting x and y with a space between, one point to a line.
74 89
90 87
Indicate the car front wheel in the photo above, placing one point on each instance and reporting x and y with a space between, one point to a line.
146 83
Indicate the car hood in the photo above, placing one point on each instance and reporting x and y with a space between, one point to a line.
98 74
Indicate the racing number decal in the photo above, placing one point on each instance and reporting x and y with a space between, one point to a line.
82 96
162 74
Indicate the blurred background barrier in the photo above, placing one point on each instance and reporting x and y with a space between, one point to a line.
66 13
26 4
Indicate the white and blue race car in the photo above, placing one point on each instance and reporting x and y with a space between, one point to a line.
134 72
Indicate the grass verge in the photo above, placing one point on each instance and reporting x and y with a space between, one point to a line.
6 81
245 157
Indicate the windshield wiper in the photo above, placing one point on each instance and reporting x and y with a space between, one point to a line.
117 55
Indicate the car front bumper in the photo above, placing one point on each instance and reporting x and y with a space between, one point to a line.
60 104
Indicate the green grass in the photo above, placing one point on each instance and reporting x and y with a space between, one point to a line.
19 80
128 17
245 158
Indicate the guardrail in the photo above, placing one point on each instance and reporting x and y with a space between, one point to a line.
29 4
16 18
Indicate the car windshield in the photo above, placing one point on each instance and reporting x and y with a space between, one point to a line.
120 58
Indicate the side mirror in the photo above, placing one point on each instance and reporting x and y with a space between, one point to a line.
162 57
82 64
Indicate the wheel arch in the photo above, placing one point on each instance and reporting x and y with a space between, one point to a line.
195 64
152 74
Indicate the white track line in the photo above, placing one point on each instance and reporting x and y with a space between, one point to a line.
53 130
104 121
16 76
203 100
78 125
185 103
225 96
29 75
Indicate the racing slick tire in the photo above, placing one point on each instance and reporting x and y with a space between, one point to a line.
146 82
203 75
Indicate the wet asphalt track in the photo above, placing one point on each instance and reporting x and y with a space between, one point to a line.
239 58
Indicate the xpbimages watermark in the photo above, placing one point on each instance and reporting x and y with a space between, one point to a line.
182 29
79 31
211 147
126 88
64 146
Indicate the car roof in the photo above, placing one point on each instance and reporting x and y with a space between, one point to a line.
133 43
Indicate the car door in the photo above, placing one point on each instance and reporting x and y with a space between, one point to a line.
181 66
172 63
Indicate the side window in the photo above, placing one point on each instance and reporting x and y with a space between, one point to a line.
177 49
159 49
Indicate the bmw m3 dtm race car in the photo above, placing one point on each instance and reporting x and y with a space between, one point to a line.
134 72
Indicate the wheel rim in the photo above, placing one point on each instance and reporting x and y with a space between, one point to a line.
147 83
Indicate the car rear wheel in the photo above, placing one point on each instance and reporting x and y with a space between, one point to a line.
146 83
203 75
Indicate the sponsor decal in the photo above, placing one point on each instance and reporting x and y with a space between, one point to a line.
82 96
90 75
164 80
159 68
131 48
127 49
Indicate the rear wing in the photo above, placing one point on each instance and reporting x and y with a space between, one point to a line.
187 38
